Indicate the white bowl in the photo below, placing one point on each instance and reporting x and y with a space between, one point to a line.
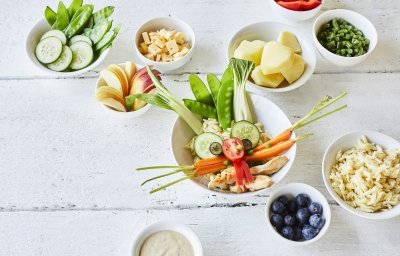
292 190
131 114
269 31
294 16
170 226
346 142
264 111
166 23
356 20
33 39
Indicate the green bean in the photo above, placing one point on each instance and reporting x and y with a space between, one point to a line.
214 84
224 107
200 91
78 23
74 7
103 14
62 17
50 15
204 110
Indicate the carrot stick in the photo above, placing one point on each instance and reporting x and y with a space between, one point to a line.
203 170
283 136
210 161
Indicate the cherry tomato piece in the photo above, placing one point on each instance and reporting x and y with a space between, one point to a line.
233 148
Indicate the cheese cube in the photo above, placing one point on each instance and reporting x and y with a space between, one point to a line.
143 48
166 58
146 38
179 37
172 46
153 49
149 56
158 57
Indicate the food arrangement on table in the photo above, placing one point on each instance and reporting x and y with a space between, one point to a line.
230 150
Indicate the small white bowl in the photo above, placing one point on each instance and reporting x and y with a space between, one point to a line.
170 226
268 31
292 190
346 142
294 16
131 114
356 20
33 39
264 111
169 24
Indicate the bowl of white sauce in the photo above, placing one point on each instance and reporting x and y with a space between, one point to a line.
167 238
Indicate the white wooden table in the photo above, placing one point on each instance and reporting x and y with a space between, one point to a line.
67 185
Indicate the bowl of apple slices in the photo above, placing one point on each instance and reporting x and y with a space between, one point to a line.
284 60
118 81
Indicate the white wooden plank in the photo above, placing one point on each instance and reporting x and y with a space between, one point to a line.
222 231
61 150
214 22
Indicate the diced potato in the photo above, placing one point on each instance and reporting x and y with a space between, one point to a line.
295 71
271 80
288 39
275 58
249 51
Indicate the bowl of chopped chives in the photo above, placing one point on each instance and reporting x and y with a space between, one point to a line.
344 37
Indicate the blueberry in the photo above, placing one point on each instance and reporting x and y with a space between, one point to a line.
277 221
289 220
309 232
315 208
278 207
287 232
292 207
302 215
317 221
297 233
284 200
302 200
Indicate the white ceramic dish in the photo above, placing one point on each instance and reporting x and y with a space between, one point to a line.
346 142
131 114
33 39
356 20
294 16
269 31
171 226
166 23
292 190
264 111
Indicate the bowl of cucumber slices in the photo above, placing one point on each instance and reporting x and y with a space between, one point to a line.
72 40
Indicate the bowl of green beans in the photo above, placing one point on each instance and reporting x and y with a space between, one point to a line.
344 37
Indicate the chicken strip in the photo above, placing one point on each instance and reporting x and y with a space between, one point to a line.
237 189
271 167
259 182
223 179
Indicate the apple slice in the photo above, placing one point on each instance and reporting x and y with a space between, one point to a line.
130 70
109 92
123 77
112 79
114 104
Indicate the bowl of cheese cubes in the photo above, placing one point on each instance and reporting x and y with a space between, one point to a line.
165 43
284 60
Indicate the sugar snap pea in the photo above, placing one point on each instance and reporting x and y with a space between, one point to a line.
62 17
214 84
78 23
108 38
103 14
204 110
90 23
227 75
98 31
50 15
199 90
224 106
74 7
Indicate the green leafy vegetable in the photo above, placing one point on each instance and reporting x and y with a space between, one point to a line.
199 90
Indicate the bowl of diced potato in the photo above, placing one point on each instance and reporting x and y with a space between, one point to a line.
284 60
165 43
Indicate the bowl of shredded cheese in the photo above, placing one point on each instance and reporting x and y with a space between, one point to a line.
361 171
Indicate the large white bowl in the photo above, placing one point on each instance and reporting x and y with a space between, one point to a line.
131 114
356 20
169 24
291 191
346 142
163 226
264 111
294 16
268 31
33 39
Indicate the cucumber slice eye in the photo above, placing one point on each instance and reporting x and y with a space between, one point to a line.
203 143
82 55
247 144
49 50
216 148
246 130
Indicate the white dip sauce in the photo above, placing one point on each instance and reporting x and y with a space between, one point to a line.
166 243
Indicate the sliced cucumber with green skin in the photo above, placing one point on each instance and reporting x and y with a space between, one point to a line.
49 50
246 130
203 142
63 62
82 55
56 33
80 38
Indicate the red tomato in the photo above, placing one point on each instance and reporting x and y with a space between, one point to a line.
309 5
294 6
233 148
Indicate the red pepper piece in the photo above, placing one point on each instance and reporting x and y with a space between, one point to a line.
309 5
294 6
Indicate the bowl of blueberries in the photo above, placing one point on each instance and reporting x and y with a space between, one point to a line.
298 214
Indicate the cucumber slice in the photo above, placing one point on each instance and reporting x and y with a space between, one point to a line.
203 142
246 130
49 50
63 62
56 33
80 38
82 55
